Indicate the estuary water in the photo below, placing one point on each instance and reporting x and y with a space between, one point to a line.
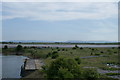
11 66
56 45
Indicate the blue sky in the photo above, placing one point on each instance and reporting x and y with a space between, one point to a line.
61 21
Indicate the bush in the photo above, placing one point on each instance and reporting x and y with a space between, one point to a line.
63 49
68 68
74 48
54 52
91 74
81 48
58 50
97 54
63 68
49 54
78 60
71 52
25 47
55 55
39 55
91 53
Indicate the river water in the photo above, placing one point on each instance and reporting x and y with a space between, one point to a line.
11 66
56 45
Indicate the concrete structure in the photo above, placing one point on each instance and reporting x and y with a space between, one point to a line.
31 65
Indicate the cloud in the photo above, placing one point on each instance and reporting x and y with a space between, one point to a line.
59 11
59 0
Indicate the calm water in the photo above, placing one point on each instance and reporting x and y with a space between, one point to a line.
11 66
0 66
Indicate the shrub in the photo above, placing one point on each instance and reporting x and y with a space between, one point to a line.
33 47
57 47
91 53
97 54
71 52
91 74
63 49
81 48
68 68
39 55
74 48
78 60
63 68
54 52
55 55
49 54
58 50
25 47
115 52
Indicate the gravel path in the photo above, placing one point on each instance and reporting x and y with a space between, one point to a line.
107 71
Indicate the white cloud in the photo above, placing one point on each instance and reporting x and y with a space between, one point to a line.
59 0
59 11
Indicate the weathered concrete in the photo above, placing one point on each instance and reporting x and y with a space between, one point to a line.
31 65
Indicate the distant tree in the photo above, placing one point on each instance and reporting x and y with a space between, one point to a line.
25 47
76 46
5 47
57 47
19 48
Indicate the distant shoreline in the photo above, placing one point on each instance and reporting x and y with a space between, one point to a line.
64 43
58 45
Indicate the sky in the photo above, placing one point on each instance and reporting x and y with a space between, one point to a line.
60 21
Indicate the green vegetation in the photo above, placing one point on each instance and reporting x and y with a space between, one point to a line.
59 62
69 68
78 60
